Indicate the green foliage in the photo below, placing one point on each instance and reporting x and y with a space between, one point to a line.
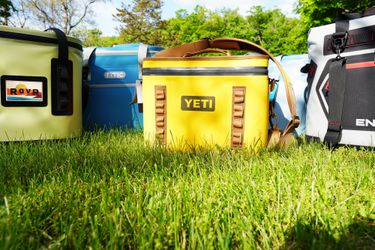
113 191
109 41
141 22
185 27
201 23
93 38
6 7
269 28
319 12
276 32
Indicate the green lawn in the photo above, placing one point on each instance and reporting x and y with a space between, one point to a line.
110 190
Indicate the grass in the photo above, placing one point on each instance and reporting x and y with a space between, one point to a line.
111 191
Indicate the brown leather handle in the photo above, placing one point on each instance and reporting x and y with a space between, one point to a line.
204 51
240 45
219 43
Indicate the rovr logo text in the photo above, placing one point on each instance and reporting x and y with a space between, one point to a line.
14 91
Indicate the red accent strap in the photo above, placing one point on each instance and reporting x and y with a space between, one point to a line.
360 65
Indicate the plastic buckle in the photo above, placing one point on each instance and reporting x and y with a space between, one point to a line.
339 41
332 138
296 121
334 133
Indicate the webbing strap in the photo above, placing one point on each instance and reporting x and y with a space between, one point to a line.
337 84
342 25
340 37
337 87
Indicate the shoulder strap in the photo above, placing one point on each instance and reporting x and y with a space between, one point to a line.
336 101
240 45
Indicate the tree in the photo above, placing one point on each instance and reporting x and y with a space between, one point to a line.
276 32
94 37
20 15
91 37
6 7
185 27
271 29
141 21
319 12
63 14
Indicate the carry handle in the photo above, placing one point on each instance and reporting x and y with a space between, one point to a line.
219 43
351 16
205 51
239 45
369 12
62 43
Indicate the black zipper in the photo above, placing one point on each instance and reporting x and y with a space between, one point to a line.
206 71
34 38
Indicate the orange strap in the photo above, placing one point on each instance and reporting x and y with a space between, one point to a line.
241 45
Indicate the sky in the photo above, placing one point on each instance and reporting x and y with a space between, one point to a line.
104 20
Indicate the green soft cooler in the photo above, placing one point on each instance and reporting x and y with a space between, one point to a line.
41 81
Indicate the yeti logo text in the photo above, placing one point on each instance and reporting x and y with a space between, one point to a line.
365 123
198 103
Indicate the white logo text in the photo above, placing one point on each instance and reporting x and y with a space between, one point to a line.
114 75
365 123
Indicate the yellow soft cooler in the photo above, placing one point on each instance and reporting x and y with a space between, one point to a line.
205 101
41 80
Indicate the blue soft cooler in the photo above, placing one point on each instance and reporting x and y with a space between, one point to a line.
292 64
113 72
